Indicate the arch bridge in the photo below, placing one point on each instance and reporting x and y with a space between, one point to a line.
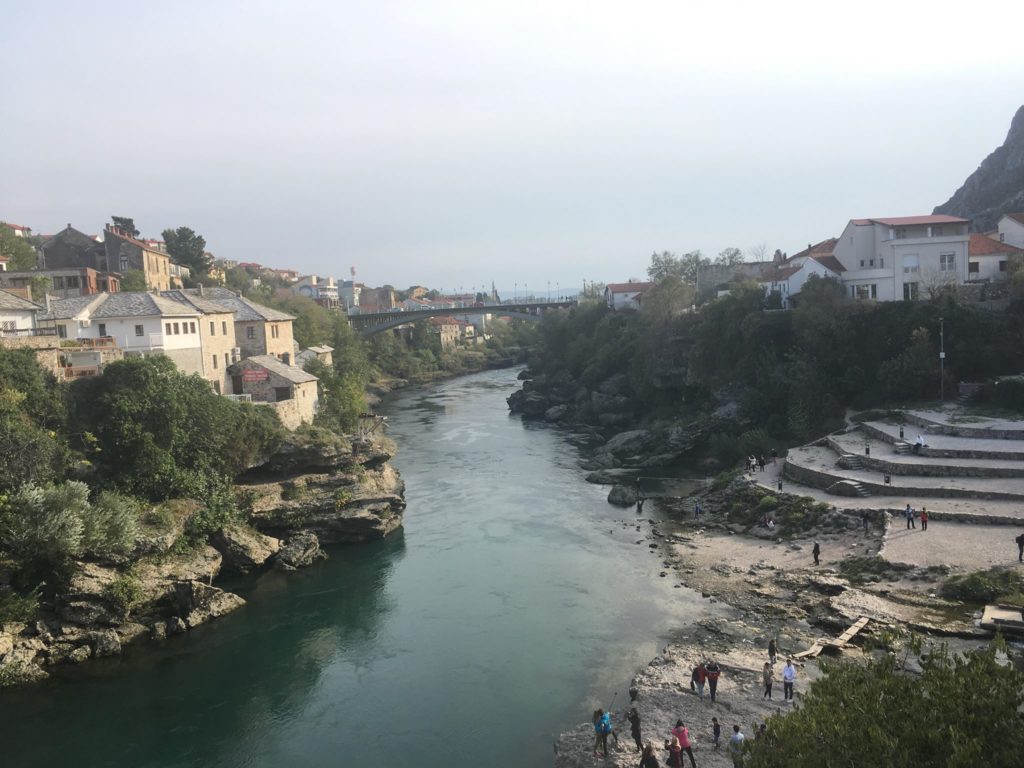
377 322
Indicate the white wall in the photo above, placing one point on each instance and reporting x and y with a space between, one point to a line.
1011 231
23 319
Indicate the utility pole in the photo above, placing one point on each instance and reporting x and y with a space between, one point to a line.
942 360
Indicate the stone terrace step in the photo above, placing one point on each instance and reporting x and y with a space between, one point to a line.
946 446
816 467
884 459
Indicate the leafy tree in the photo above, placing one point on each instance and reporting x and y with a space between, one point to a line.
962 711
161 434
685 267
342 397
39 286
21 254
188 248
134 280
730 257
914 372
41 526
125 224
31 413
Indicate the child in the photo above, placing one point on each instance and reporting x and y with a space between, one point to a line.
716 731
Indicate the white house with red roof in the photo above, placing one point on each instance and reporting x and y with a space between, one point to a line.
1011 229
788 278
625 295
906 257
990 259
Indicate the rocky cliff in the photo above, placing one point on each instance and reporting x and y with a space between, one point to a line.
318 487
997 187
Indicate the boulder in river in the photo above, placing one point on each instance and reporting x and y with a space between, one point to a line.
243 548
299 551
198 603
622 495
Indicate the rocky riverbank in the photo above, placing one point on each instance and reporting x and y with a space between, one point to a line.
767 583
316 489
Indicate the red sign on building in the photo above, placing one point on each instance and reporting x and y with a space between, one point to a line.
255 374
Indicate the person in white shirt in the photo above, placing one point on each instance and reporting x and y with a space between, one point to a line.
736 746
788 678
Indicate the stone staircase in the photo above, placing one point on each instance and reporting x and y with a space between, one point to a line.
851 461
904 449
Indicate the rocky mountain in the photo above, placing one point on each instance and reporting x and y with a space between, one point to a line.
997 187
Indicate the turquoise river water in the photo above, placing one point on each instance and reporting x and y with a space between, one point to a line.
512 604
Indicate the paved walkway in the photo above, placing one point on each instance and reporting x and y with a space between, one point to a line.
854 443
955 416
948 442
959 545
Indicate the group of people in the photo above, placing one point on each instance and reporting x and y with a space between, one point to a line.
912 515
705 673
680 743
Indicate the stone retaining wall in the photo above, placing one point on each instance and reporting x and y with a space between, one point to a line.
946 453
957 430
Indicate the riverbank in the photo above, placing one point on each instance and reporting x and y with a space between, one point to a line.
769 580
318 488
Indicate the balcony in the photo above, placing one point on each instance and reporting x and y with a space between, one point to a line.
25 332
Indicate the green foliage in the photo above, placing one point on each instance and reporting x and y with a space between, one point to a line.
995 585
134 280
767 503
220 508
110 525
18 250
39 286
342 397
161 434
755 442
186 247
18 607
125 224
41 527
125 592
685 267
723 479
962 711
914 372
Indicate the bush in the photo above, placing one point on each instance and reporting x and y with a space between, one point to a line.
41 527
17 607
125 592
767 503
220 508
994 585
723 479
110 525
755 442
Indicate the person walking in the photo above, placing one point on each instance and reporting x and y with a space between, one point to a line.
682 733
768 677
816 552
713 673
634 728
736 746
602 727
716 732
648 760
675 753
924 518
698 678
697 510
865 519
773 651
775 455
909 513
761 462
1020 548
788 680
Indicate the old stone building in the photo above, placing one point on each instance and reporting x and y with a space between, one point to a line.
290 390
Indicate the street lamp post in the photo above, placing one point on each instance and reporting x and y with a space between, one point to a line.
942 360
549 290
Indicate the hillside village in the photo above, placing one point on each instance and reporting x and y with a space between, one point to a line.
72 307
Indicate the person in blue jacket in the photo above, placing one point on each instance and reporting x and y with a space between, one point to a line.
602 727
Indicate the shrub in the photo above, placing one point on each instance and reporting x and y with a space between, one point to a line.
125 592
755 442
993 585
220 508
41 527
17 607
767 502
722 479
110 525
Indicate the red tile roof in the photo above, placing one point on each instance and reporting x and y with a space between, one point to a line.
909 221
983 245
16 227
628 287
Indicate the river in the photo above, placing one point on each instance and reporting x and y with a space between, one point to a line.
513 603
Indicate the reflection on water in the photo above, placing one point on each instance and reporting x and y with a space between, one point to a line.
515 592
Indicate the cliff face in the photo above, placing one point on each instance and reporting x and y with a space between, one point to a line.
997 187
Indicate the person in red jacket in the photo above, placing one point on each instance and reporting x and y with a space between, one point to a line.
713 672
698 678
682 733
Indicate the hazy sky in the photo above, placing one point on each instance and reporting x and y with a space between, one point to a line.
456 143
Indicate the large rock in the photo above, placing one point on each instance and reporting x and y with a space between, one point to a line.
310 452
243 548
629 443
557 413
301 550
87 597
106 643
602 403
622 495
529 404
198 603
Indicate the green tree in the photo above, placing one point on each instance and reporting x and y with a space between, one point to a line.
188 248
134 280
125 224
342 397
963 711
730 257
39 286
19 252
914 372
685 267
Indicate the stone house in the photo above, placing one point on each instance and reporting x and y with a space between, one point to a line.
258 330
66 283
17 315
124 252
990 258
216 335
322 353
448 329
290 390
906 257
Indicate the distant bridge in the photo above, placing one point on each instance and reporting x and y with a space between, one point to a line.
376 322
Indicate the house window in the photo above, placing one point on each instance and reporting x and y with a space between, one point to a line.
62 331
947 262
282 393
103 329
865 291
910 291
911 264
250 332
176 329
972 267
901 234
273 331
227 360
140 331
191 327
213 328
8 326
862 263
216 387
1002 237
1002 266
214 362
881 262
871 263
168 327
124 263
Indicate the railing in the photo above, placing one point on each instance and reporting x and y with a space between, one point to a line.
103 342
239 398
81 371
29 332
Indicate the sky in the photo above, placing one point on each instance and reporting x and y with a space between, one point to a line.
456 144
